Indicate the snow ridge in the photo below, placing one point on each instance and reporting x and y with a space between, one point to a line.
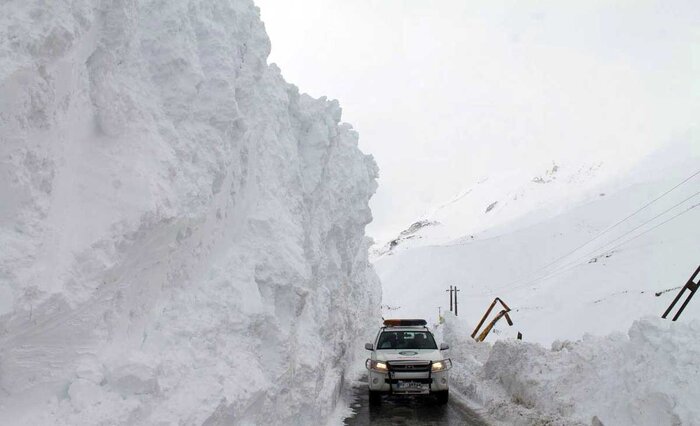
178 224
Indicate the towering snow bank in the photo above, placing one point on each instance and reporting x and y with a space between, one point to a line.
181 232
647 377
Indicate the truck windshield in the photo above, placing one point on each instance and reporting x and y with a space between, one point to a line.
406 340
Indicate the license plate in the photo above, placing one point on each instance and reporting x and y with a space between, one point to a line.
414 386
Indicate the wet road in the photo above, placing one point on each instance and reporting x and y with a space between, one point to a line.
408 411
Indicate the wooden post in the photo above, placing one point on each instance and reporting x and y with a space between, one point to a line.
456 300
504 312
450 290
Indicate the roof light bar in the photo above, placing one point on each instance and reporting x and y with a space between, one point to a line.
405 323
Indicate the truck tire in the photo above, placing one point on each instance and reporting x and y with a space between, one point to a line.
442 397
375 398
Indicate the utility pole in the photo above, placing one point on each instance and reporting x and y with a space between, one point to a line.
690 285
456 300
450 290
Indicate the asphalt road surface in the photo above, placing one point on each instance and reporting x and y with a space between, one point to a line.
408 410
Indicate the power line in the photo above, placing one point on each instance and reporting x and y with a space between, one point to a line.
587 255
656 226
578 261
608 229
642 224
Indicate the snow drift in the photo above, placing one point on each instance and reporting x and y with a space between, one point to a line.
181 231
645 377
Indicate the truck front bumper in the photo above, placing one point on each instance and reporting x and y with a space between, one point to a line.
398 382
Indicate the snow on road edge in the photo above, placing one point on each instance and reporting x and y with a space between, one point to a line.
648 376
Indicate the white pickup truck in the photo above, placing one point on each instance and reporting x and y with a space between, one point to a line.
406 360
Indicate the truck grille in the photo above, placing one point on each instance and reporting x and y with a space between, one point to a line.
423 380
409 366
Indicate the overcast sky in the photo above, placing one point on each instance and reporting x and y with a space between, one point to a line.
445 92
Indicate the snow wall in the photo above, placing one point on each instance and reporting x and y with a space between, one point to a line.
181 232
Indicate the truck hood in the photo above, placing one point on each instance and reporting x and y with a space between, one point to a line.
409 354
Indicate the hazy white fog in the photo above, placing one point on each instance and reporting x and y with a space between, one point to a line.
444 92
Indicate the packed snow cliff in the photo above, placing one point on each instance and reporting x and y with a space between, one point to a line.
181 232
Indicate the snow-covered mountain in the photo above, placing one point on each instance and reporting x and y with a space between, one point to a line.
497 203
548 242
179 227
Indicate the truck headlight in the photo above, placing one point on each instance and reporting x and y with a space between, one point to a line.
443 365
376 366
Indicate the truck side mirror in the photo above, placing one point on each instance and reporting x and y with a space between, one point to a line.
369 346
444 346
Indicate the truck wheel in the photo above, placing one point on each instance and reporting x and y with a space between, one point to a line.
442 397
375 398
